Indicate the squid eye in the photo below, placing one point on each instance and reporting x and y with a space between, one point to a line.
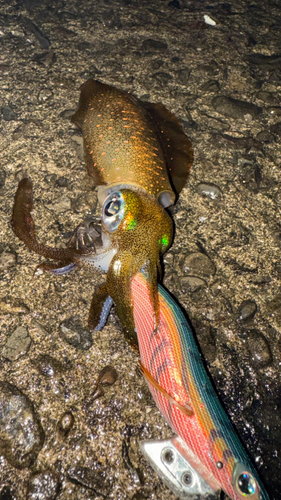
113 211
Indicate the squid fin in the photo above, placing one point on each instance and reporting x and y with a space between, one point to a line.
187 410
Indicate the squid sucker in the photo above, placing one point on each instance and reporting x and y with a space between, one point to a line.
139 158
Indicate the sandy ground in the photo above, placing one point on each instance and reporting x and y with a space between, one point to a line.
229 213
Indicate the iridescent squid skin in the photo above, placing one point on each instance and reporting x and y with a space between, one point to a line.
139 151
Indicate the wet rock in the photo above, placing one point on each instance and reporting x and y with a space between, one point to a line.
235 108
265 136
65 424
274 110
259 349
183 76
92 479
191 284
45 94
268 62
197 264
2 178
74 334
62 205
43 486
210 86
162 77
208 190
21 434
246 311
61 182
107 376
8 306
17 344
266 97
67 114
8 113
151 45
48 366
276 128
7 259
6 494
40 37
46 58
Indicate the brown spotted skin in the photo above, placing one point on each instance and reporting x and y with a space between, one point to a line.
120 142
142 149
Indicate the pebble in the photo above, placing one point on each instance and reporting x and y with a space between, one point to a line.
235 108
48 366
209 190
154 45
276 128
162 77
265 136
266 97
89 478
17 344
13 307
2 178
210 86
246 310
107 376
269 62
274 110
6 494
74 334
43 486
197 264
259 349
8 113
21 434
183 76
62 205
191 284
40 37
65 424
7 259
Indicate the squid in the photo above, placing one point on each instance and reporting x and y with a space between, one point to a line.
139 158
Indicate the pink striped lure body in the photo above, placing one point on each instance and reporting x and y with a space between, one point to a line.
170 356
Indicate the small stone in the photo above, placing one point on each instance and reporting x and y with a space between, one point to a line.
162 77
191 284
13 307
259 350
2 178
266 97
210 86
276 128
197 264
154 45
274 110
183 76
21 434
7 259
8 113
74 334
107 376
209 190
17 344
67 114
48 366
246 310
61 182
6 494
45 94
265 136
62 205
92 479
65 424
43 486
235 108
